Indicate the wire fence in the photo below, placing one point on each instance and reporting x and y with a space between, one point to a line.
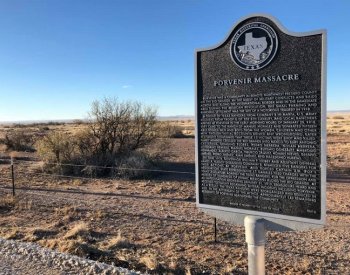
20 170
110 167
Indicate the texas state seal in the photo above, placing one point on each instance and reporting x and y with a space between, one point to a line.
254 46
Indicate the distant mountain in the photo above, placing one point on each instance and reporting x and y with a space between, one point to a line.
340 111
26 122
179 117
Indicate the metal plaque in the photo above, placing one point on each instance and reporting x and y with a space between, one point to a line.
261 125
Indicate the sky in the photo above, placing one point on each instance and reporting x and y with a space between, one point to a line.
58 56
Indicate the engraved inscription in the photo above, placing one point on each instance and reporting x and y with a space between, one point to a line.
262 148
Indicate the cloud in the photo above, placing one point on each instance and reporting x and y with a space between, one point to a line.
126 86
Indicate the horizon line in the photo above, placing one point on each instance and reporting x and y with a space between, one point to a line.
28 121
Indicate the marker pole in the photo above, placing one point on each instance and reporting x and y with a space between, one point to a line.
255 238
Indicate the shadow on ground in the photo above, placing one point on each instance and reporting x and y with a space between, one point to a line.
176 171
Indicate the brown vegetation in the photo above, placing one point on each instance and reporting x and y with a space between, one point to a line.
153 225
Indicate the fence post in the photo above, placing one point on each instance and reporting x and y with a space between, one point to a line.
215 231
13 177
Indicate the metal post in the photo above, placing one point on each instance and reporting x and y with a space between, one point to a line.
215 230
13 178
255 238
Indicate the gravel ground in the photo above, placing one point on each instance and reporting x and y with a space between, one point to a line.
17 258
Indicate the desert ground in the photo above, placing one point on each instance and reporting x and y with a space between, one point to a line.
152 224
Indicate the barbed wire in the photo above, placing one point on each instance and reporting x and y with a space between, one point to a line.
41 192
103 167
63 176
53 175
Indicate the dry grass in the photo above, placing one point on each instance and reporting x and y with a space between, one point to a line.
98 215
304 265
80 230
77 182
14 154
173 264
25 204
338 143
75 247
188 271
68 213
39 234
8 202
118 242
14 234
338 124
150 261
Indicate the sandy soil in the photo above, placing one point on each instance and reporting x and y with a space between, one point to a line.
153 225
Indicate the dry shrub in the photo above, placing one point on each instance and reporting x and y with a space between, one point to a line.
158 150
168 130
57 147
19 140
121 127
134 166
338 117
84 141
114 138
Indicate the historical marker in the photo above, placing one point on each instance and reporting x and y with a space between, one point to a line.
261 133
